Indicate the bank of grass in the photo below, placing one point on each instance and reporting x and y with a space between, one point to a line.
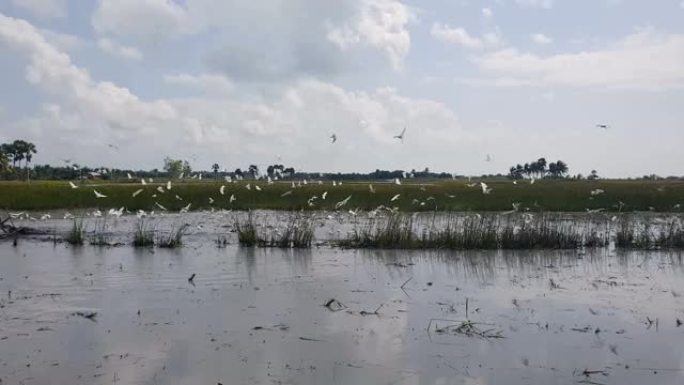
297 233
478 232
644 235
545 195
75 236
172 239
142 235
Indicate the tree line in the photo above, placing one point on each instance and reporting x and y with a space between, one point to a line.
12 154
539 169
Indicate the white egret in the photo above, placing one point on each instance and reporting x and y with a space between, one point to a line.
596 192
142 181
136 193
211 200
160 189
485 189
128 174
168 185
397 181
232 198
342 202
179 198
160 206
222 190
370 187
394 198
286 193
256 187
186 208
325 194
73 186
99 195
248 187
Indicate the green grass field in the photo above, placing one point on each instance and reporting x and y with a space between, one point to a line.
569 196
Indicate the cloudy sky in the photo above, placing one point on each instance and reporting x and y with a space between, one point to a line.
124 83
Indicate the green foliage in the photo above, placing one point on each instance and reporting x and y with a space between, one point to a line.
172 239
75 236
298 233
143 236
176 167
545 195
477 232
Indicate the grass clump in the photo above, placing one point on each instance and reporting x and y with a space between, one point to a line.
172 239
298 233
247 233
396 232
477 232
100 236
76 237
641 236
143 236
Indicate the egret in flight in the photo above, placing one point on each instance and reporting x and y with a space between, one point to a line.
333 138
400 136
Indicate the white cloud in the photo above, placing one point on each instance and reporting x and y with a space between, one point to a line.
112 47
459 36
52 71
546 4
63 41
540 38
149 20
380 24
43 9
487 13
215 84
86 114
643 60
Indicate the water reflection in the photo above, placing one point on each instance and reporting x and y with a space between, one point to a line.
256 316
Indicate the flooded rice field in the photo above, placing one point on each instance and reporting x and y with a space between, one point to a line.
120 315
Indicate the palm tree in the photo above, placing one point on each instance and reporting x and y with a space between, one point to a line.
561 168
4 161
216 168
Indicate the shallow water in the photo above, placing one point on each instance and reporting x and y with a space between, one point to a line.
256 316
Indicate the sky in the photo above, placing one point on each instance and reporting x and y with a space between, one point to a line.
125 83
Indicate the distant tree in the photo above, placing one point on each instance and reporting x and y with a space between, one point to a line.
561 168
253 170
593 175
216 168
238 172
4 161
176 167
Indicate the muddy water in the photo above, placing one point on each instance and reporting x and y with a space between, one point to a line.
257 316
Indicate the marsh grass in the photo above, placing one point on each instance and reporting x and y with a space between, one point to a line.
76 237
173 239
247 233
100 236
478 232
642 235
143 236
298 233
545 195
